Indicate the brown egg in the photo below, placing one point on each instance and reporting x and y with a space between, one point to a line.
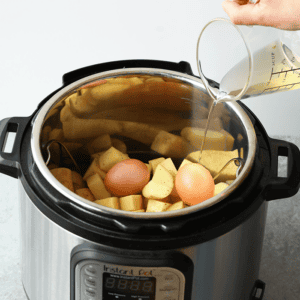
194 184
127 177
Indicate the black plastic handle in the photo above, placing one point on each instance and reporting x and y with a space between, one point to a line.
183 67
283 187
9 163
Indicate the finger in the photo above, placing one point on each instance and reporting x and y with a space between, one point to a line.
241 14
240 2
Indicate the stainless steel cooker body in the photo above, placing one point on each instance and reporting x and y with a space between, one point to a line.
226 267
70 247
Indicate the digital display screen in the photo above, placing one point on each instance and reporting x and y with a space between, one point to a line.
129 284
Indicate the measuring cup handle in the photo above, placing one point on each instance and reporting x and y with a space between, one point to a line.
283 187
183 67
9 163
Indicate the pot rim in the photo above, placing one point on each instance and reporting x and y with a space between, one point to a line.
38 121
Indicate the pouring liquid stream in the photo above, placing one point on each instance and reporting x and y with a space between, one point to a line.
219 99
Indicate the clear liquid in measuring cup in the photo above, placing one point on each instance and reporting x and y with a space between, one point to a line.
275 68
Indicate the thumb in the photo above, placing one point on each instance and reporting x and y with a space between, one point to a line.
241 14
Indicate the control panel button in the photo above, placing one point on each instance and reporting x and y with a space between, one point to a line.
91 293
167 288
90 281
90 270
169 277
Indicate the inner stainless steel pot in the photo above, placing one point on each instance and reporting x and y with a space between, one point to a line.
234 119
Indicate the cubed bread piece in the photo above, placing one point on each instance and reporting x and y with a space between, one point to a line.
175 206
97 187
85 193
100 143
78 182
139 210
220 187
214 161
111 157
93 169
132 202
112 202
169 144
155 162
118 144
215 140
64 176
157 206
169 165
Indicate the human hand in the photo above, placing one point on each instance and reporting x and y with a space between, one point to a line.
282 14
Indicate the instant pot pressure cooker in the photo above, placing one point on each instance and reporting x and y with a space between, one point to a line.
75 249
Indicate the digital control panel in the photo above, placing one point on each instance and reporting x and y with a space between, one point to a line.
96 280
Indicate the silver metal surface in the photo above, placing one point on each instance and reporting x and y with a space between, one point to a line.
224 268
233 108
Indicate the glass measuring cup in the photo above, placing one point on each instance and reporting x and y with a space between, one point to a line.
247 61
